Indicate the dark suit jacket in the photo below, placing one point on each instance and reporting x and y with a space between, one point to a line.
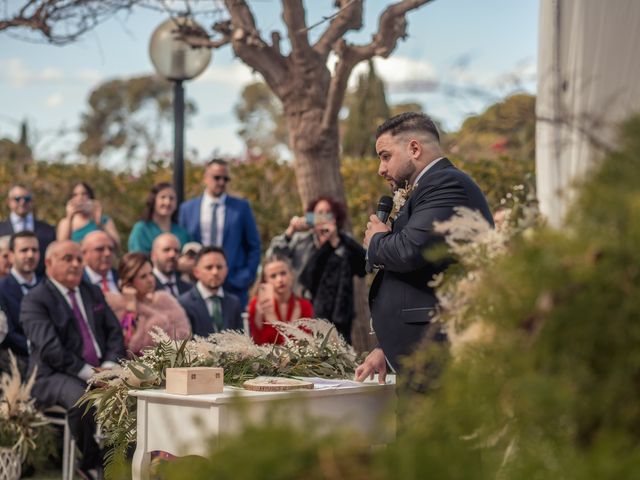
11 298
198 313
240 241
44 232
400 300
183 287
56 342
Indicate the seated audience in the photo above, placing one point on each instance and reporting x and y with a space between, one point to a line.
160 216
164 257
83 215
72 333
140 307
325 259
211 309
275 301
97 252
5 263
187 260
24 254
21 218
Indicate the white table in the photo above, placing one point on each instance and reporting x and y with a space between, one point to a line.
179 424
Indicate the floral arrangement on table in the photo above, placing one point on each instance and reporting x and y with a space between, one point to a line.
312 348
22 427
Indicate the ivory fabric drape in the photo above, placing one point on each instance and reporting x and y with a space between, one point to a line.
588 81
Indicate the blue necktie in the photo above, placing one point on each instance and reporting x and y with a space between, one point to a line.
214 225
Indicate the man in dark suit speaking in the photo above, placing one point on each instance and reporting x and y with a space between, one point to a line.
401 301
72 333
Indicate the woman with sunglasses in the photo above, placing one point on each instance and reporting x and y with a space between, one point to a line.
160 216
84 215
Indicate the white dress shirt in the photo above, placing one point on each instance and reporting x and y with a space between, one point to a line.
207 295
22 281
206 212
425 169
96 279
22 223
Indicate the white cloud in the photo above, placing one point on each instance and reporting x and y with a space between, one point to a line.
15 72
49 74
88 75
235 74
54 100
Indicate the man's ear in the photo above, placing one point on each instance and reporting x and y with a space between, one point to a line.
414 148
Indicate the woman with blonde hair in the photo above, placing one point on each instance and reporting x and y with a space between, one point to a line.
275 301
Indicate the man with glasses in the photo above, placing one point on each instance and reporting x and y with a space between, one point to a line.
218 219
98 251
21 218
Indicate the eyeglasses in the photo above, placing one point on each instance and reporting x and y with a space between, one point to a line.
217 178
25 198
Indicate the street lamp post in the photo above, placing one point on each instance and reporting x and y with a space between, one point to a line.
177 61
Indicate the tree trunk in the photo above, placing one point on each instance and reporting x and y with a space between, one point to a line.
316 157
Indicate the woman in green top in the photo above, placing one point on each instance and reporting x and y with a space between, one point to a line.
160 216
83 215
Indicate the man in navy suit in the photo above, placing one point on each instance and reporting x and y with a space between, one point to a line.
210 308
21 218
98 250
401 300
24 254
216 218
165 251
72 333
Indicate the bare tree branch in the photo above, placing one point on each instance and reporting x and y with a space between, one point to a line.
348 17
63 21
249 46
293 15
391 27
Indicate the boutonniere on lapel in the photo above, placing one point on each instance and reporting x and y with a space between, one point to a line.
98 307
400 197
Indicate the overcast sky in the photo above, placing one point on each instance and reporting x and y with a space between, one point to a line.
460 56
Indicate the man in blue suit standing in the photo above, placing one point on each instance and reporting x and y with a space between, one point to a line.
216 218
24 254
209 307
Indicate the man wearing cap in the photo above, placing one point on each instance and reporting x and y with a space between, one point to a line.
187 261
216 218
21 218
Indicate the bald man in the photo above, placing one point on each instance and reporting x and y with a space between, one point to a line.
72 333
98 253
165 251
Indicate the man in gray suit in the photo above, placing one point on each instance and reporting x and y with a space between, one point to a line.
402 302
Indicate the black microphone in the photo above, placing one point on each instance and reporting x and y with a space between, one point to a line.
383 210
385 205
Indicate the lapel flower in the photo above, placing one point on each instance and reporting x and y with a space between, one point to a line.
400 197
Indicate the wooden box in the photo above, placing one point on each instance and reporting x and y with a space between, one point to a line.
194 380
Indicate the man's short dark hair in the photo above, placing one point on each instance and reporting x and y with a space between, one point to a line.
22 234
216 161
409 122
210 249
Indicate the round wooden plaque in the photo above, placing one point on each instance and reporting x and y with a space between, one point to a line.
275 384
